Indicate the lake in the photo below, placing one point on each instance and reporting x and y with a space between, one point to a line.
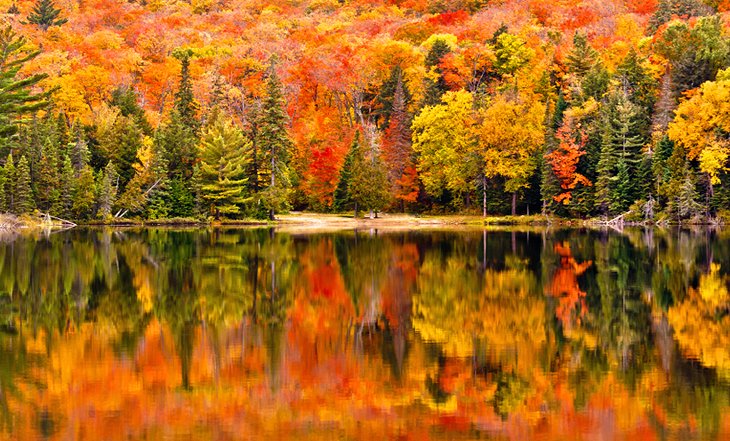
117 334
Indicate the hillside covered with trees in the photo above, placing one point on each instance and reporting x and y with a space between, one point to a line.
245 108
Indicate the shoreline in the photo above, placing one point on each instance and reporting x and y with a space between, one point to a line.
314 221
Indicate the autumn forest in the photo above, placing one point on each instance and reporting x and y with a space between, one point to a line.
198 109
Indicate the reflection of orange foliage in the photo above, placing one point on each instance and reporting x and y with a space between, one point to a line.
565 287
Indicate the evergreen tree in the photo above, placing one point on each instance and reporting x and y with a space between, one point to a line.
369 183
13 9
45 15
23 194
435 87
622 142
125 100
621 193
107 190
185 105
120 145
582 58
222 172
342 199
178 144
397 150
84 194
10 174
79 152
641 88
276 145
387 96
686 202
48 185
3 195
16 95
66 182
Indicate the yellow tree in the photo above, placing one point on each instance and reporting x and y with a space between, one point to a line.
510 135
701 124
443 139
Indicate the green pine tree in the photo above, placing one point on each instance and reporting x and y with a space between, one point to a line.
23 194
276 146
79 152
686 202
107 190
48 185
17 98
342 200
222 172
84 194
369 186
66 181
185 105
9 188
623 142
45 14
436 87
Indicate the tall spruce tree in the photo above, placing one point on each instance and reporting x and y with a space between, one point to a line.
221 175
45 14
17 97
48 185
107 190
436 84
276 145
186 106
23 194
66 182
342 199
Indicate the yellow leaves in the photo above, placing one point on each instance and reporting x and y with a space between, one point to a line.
105 39
450 39
700 124
443 136
510 134
713 160
713 288
698 329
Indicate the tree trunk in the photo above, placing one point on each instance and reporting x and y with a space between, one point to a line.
514 203
484 195
355 210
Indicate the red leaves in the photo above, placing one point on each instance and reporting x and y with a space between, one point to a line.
564 160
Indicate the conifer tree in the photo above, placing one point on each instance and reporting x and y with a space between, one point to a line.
342 199
45 15
623 142
397 151
66 182
3 195
222 172
186 106
369 183
84 194
48 184
107 190
23 194
16 95
79 152
276 145
436 87
9 186
13 9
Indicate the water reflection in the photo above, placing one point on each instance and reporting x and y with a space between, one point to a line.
228 334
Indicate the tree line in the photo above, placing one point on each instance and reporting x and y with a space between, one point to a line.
578 139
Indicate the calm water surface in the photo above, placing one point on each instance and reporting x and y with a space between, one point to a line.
256 334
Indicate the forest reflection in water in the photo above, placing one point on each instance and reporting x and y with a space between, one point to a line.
251 333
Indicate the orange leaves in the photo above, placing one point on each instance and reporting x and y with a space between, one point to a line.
564 160
564 286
